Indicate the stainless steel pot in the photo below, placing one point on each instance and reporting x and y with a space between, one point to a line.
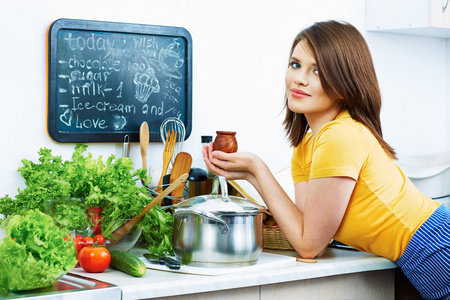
217 230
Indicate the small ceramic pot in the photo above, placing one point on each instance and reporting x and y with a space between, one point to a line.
225 141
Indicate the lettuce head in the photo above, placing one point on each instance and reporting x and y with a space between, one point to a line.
34 252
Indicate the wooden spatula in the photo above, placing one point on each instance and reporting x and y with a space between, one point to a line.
181 165
143 140
123 230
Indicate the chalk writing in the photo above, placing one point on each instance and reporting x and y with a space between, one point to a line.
100 72
90 42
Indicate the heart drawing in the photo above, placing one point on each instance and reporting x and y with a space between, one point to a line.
66 117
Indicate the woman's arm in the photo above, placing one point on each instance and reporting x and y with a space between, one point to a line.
300 194
321 204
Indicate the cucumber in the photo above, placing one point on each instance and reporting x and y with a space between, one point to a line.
128 263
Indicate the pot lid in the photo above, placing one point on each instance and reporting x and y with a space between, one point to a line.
219 203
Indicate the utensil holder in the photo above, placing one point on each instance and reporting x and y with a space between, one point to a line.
166 203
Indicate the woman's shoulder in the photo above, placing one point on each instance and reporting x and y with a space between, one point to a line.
343 126
344 130
306 142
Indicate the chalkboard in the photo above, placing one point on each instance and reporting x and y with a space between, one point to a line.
106 78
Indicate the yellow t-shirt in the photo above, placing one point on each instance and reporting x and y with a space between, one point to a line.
385 208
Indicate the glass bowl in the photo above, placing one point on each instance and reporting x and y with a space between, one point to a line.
127 242
70 213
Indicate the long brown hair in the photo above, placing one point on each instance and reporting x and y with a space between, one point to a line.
346 73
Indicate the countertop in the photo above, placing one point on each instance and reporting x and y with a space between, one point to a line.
157 283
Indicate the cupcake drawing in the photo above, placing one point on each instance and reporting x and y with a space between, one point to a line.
146 84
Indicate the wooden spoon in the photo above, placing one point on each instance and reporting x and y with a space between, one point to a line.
143 140
181 165
123 230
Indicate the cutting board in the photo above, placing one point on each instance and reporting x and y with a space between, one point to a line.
265 261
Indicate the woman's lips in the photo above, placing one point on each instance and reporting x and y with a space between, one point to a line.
299 93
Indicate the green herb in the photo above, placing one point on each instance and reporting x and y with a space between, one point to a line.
33 252
157 228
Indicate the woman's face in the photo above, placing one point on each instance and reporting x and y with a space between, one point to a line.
304 91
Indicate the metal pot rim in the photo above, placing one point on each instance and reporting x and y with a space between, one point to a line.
203 202
221 203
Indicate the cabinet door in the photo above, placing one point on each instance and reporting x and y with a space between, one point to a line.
374 285
439 13
413 17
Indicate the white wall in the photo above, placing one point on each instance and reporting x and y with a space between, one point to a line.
240 52
447 93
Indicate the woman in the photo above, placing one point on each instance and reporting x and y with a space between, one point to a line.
347 185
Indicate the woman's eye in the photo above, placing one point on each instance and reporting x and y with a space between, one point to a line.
295 65
316 71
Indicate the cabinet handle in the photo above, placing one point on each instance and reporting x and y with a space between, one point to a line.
444 6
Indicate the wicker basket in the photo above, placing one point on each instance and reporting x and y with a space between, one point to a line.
275 239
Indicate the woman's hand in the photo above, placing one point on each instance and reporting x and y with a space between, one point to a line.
238 165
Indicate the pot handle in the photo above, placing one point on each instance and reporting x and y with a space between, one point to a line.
223 188
215 186
183 213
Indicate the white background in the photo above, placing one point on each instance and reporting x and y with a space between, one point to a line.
240 54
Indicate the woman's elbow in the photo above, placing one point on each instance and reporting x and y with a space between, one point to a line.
310 253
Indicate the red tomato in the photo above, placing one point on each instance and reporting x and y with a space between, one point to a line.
88 241
78 245
94 214
99 239
78 237
94 259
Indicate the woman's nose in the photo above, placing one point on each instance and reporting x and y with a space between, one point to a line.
300 79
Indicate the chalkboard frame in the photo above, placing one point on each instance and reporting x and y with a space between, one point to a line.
111 27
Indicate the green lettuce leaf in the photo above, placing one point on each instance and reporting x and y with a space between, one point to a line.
110 185
69 213
157 228
33 252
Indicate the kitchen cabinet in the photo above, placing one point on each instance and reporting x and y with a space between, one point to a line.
413 17
368 285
